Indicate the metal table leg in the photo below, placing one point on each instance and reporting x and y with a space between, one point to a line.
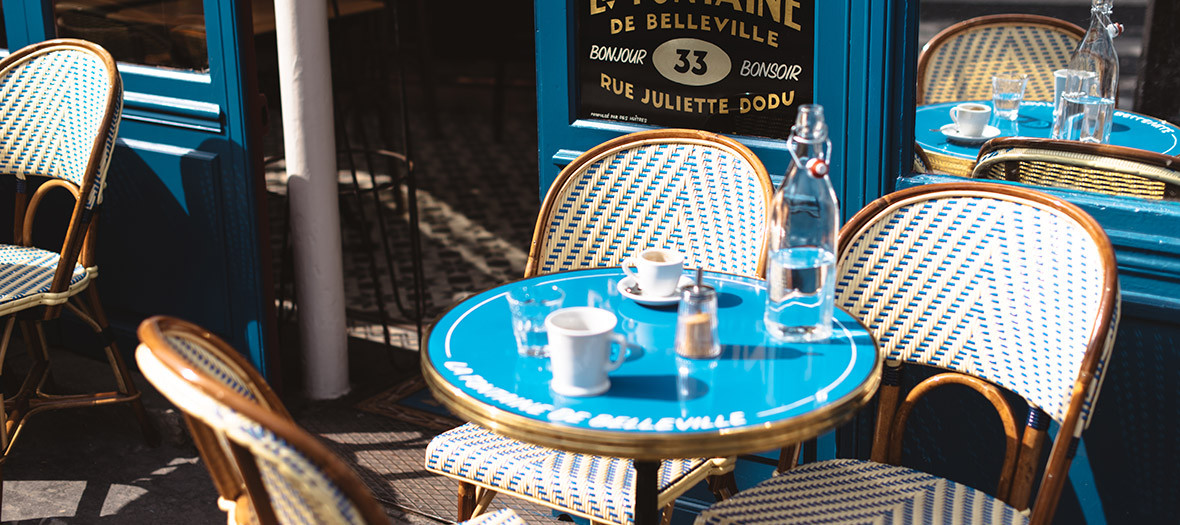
647 505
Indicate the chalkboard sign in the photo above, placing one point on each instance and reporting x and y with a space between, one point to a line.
728 66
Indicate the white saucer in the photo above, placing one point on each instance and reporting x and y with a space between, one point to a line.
627 282
989 132
573 391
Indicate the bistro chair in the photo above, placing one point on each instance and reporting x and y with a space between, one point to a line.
703 194
958 63
60 105
1099 168
265 467
1007 290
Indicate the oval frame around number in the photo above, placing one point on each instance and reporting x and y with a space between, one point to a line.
691 61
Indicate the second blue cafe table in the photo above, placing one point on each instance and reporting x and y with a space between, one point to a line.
1034 120
760 394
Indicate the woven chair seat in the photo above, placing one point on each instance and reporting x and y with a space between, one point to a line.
597 487
26 274
851 491
500 517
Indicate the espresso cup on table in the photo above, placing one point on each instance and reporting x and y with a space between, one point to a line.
970 118
656 271
580 340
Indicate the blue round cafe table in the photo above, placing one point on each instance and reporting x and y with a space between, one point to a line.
1035 119
760 394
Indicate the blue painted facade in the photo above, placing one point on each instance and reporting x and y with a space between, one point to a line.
181 225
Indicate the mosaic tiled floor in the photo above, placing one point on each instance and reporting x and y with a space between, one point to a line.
477 201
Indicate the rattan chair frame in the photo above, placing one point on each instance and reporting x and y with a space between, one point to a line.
1023 453
232 468
473 497
65 289
1124 171
955 31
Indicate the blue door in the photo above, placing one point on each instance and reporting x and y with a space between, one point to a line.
183 220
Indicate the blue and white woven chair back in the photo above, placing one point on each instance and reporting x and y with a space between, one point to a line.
998 284
60 106
700 193
299 491
202 356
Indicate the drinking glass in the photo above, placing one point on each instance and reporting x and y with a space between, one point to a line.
1075 84
1086 118
1007 93
530 304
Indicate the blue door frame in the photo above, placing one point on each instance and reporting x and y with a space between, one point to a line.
184 226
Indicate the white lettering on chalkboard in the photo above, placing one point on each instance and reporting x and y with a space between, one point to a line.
774 70
622 55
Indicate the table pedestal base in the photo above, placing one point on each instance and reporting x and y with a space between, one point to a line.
647 505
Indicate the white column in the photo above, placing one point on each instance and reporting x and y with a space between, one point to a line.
301 27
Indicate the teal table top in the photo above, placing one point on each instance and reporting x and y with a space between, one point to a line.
1036 120
760 394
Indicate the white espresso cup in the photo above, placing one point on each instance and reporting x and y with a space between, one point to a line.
656 271
580 341
970 118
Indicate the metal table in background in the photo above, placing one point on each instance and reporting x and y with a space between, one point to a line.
1035 120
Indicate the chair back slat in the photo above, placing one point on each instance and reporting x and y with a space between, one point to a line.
702 194
985 282
958 63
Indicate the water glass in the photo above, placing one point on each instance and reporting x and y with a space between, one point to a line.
1073 82
1007 92
530 305
1085 118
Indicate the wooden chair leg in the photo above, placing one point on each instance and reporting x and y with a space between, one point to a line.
666 519
119 367
483 500
788 458
467 500
3 435
723 486
41 377
887 397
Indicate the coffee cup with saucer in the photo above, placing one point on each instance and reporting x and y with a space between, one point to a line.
629 289
970 123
